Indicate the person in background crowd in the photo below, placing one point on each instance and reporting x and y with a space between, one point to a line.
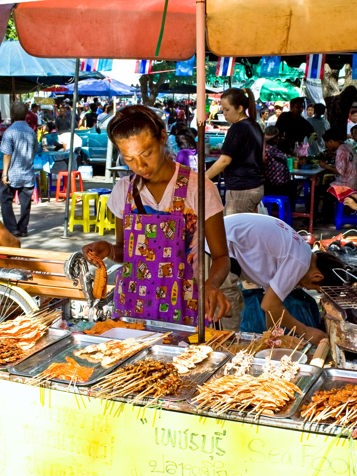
187 154
19 146
269 253
82 115
90 118
338 109
310 110
344 168
63 121
278 109
32 117
293 127
213 111
320 125
241 159
263 118
156 228
277 174
353 139
352 119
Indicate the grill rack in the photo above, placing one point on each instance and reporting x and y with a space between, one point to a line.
345 296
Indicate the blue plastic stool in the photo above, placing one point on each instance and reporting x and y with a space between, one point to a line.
283 205
342 218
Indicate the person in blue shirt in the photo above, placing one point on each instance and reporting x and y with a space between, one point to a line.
19 146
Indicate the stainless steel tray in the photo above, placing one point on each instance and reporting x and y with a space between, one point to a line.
328 379
52 335
197 376
57 352
306 377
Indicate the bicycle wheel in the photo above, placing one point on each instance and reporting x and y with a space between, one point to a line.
14 302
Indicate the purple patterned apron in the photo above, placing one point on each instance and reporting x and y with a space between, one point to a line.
156 280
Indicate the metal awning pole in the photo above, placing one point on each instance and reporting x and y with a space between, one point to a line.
201 122
71 151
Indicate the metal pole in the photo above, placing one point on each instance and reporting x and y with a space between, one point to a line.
201 122
71 152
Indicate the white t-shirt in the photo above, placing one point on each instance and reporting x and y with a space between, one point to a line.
213 201
269 251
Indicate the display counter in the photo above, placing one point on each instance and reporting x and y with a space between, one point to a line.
66 432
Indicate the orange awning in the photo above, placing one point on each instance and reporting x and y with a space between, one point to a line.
108 28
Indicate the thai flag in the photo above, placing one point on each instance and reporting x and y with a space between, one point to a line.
315 66
90 64
143 66
225 66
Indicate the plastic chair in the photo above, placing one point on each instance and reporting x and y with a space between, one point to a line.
281 202
105 218
62 181
87 216
36 194
342 218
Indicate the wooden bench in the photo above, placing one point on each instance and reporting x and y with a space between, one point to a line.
47 268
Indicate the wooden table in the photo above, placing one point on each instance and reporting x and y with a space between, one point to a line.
311 175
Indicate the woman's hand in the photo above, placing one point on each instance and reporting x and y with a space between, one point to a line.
349 202
216 303
102 249
314 335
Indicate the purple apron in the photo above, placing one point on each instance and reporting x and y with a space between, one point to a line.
156 280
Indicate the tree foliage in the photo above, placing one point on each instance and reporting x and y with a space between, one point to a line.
11 33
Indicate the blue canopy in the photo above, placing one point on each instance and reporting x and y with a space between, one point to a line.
107 87
21 72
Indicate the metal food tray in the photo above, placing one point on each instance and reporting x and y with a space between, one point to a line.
306 377
196 376
329 378
52 335
249 337
37 363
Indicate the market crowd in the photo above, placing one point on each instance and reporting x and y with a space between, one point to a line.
156 207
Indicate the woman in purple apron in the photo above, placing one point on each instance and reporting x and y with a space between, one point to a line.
156 228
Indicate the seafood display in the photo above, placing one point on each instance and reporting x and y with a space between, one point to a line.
337 406
190 357
100 276
145 378
261 395
238 390
10 351
110 352
25 331
68 370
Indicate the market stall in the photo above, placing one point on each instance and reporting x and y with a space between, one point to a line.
52 424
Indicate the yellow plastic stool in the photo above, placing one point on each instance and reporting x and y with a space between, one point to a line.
105 218
86 218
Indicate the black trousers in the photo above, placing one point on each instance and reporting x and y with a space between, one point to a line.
7 194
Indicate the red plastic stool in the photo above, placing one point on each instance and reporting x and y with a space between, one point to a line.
62 181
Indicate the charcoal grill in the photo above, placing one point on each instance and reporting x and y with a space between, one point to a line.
340 306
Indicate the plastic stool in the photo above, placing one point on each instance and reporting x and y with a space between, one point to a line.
86 218
283 205
342 218
36 194
105 218
62 180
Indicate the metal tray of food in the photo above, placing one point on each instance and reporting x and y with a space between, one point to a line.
52 335
245 339
329 378
306 377
196 376
37 363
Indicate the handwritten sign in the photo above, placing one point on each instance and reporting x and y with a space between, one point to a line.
53 433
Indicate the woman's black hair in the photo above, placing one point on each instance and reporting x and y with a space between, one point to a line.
132 120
